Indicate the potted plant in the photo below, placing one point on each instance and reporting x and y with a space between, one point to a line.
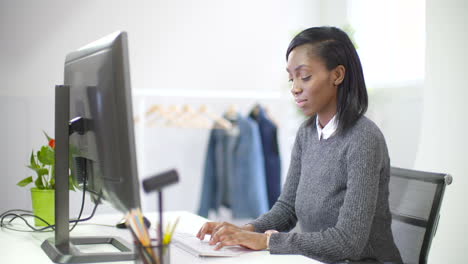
43 192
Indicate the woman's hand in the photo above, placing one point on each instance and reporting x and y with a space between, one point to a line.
212 227
226 234
229 236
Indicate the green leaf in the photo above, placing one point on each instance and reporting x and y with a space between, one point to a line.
40 171
52 183
34 167
39 183
52 175
47 136
43 171
25 181
71 186
33 161
46 155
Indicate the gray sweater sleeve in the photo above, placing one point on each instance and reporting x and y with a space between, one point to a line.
282 216
347 239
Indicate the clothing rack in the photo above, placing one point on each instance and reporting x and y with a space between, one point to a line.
184 116
153 135
188 116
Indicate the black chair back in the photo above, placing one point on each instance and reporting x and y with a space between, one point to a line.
415 199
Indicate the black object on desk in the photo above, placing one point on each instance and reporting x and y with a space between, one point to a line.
161 180
123 223
157 183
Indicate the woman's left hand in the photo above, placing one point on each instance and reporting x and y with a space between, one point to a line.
227 235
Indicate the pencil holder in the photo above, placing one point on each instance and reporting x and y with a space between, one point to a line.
152 254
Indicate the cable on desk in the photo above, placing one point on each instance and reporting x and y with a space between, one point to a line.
15 210
25 221
49 226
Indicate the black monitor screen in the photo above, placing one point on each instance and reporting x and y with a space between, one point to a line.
99 80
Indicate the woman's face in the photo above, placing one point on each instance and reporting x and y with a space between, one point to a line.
313 86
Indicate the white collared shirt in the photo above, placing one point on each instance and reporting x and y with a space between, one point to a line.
328 130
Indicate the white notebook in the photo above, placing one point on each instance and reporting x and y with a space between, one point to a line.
195 246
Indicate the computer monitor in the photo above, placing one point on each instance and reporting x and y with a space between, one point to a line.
94 124
99 80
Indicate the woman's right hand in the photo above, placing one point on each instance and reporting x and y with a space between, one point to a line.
212 227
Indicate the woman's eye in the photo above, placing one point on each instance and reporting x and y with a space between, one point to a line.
306 78
290 80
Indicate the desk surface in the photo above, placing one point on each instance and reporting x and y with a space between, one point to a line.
21 247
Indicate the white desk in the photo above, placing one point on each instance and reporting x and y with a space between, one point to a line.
19 247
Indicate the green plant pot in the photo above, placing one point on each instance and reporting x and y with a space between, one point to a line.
43 203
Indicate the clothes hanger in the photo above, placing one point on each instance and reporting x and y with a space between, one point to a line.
192 119
220 121
154 113
186 117
231 112
255 110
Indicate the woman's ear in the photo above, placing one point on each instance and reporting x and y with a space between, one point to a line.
339 74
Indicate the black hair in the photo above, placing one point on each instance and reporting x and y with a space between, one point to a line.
335 48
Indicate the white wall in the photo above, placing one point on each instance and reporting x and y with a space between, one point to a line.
391 40
334 13
183 45
444 144
173 44
397 110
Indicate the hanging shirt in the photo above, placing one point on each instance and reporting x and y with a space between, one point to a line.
234 174
271 154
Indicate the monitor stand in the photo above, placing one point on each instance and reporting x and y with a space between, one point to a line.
71 254
63 248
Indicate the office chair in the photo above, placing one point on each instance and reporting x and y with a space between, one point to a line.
415 200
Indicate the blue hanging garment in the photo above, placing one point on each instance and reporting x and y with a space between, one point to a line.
234 174
272 161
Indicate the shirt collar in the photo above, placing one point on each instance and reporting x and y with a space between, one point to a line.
328 130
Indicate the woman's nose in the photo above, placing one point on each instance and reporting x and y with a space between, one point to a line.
296 90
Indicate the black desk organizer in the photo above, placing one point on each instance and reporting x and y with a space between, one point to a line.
155 184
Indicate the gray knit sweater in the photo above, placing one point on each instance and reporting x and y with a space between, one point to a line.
337 188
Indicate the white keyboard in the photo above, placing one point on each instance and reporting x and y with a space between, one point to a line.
195 246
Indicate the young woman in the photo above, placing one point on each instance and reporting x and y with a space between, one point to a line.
337 183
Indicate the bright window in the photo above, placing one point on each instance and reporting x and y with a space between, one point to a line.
390 36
